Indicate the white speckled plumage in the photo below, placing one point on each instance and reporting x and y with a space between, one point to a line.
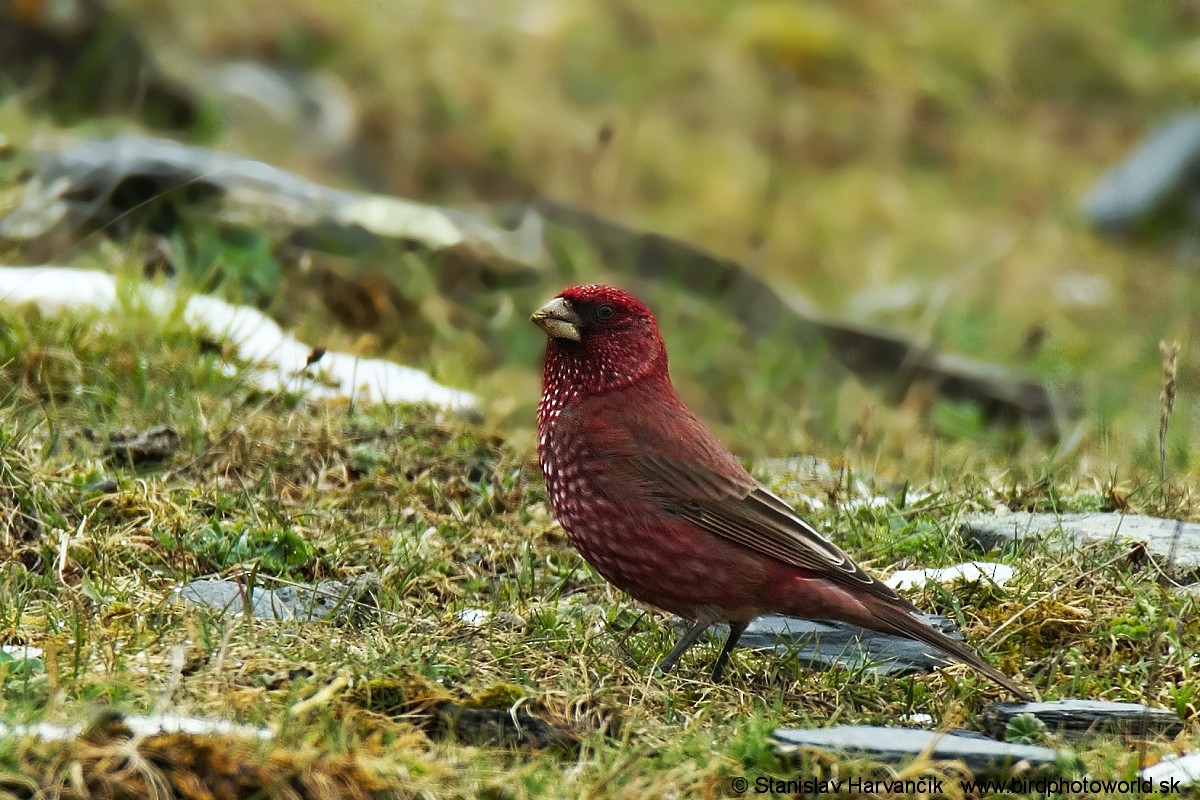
660 507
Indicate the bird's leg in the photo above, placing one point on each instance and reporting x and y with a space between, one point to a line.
736 629
685 641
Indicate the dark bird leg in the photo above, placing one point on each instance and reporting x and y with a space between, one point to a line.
736 629
685 641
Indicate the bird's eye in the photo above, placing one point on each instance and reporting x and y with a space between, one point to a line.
604 312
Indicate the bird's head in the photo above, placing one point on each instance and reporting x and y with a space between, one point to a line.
600 338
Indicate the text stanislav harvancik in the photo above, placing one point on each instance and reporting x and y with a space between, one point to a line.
813 786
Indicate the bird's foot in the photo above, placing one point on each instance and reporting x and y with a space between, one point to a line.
685 641
736 629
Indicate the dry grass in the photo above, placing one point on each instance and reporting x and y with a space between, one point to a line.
406 695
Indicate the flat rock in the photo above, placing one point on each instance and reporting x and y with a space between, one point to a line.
1171 542
828 644
981 755
1079 719
332 600
1156 182
131 180
230 597
1182 770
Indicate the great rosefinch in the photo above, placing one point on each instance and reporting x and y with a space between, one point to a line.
664 512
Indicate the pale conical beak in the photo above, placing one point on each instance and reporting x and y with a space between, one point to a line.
558 319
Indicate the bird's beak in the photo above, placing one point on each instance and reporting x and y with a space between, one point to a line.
558 319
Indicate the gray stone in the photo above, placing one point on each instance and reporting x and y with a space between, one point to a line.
1173 543
331 600
981 755
234 598
828 644
1156 182
1181 771
1079 719
81 184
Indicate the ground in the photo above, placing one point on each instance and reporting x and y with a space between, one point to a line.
919 167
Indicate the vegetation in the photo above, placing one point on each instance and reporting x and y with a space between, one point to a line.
917 165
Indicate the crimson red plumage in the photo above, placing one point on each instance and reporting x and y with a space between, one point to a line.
664 511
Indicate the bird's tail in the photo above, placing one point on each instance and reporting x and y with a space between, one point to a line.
894 619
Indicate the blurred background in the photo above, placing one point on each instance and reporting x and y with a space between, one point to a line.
920 168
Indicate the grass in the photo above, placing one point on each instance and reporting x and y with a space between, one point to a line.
862 151
452 517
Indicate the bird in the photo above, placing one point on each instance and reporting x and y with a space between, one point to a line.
665 512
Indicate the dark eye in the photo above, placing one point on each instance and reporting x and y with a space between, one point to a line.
604 312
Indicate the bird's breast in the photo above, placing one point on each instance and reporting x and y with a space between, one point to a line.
628 538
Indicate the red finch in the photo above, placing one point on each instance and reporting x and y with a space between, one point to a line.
664 512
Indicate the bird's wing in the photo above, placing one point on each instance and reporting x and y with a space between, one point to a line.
650 439
745 512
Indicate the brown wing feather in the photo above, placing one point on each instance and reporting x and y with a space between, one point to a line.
746 513
678 463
